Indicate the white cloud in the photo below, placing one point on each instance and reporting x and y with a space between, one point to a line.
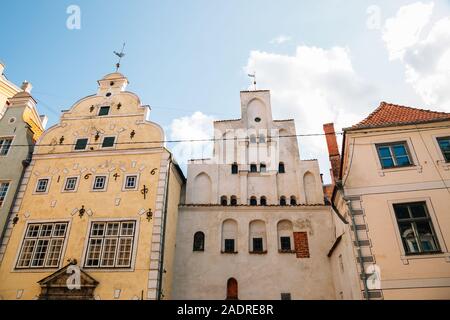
314 86
197 126
280 39
426 58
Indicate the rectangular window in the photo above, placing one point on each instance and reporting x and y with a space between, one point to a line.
42 246
71 184
416 228
42 185
104 111
229 245
286 296
257 245
110 244
99 183
131 182
394 155
4 186
108 142
285 243
253 168
5 145
444 144
81 144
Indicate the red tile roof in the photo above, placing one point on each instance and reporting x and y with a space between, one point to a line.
388 114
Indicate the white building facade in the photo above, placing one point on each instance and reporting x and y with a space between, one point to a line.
254 224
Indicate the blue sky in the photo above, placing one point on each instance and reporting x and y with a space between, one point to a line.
192 56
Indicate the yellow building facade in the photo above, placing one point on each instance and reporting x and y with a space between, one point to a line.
98 206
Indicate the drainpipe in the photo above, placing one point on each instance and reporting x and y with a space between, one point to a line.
358 248
163 227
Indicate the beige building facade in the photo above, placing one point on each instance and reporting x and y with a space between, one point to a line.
391 199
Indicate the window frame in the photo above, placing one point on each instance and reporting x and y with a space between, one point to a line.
125 178
134 242
35 191
65 184
281 165
44 268
194 247
75 144
391 145
442 154
105 187
106 137
6 192
12 138
225 246
100 110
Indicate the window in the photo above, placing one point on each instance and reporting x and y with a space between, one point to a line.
394 155
71 184
233 200
42 185
257 119
104 111
131 182
444 144
42 245
282 201
286 296
293 201
4 186
262 167
252 139
5 145
281 168
285 243
263 201
81 144
199 241
253 201
234 168
229 245
262 138
110 244
108 142
257 245
253 168
416 228
223 200
99 183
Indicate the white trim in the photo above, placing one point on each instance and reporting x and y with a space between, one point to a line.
49 178
125 181
441 242
133 254
78 177
105 187
63 251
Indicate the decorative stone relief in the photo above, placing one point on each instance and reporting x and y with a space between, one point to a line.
117 201
53 203
27 214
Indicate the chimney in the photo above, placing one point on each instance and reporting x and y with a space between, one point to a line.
333 150
26 86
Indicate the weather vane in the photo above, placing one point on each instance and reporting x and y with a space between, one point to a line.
254 79
120 54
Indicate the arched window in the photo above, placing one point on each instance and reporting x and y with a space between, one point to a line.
293 201
309 183
234 168
285 235
199 241
202 189
262 167
253 168
263 201
281 168
282 201
233 200
229 236
223 200
232 289
253 201
257 241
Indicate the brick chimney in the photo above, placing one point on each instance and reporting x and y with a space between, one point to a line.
333 150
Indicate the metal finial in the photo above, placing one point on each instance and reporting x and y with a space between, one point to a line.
254 79
120 54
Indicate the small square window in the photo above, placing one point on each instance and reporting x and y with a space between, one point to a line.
257 245
108 142
100 183
131 182
394 155
262 167
71 184
104 111
42 185
444 144
285 243
81 144
5 145
229 245
286 296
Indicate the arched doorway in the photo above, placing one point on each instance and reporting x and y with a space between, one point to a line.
232 289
